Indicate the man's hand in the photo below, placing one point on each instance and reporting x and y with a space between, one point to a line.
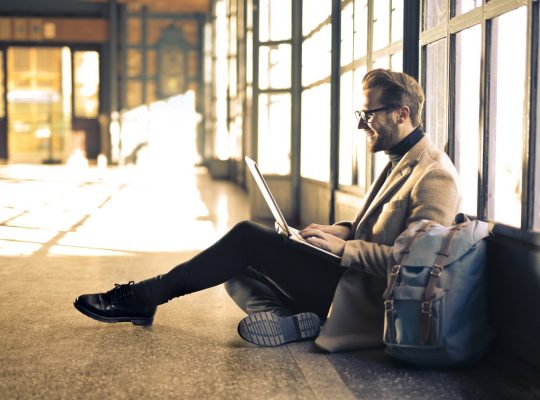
340 231
326 241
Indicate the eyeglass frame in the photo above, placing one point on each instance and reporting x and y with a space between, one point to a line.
365 117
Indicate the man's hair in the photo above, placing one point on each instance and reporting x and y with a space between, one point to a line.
397 88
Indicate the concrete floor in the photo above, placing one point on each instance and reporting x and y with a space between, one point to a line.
64 233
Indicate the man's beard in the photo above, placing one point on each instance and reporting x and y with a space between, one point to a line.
385 137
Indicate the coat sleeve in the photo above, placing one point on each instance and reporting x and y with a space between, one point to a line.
434 197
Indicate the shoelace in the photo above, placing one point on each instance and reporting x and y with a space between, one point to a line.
121 291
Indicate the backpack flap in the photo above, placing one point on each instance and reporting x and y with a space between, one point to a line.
423 251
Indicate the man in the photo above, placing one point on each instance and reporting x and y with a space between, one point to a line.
287 291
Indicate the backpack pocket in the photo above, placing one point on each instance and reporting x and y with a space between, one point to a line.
404 314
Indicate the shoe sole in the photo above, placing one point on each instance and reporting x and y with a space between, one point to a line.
134 320
269 329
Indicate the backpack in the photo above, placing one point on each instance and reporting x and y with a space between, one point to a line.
436 311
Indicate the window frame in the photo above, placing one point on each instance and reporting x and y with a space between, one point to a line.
257 90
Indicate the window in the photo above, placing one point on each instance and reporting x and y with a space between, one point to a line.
467 114
315 150
508 56
221 146
486 117
2 105
435 88
316 70
536 221
86 80
357 168
274 115
274 132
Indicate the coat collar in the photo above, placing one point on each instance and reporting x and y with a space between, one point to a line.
382 187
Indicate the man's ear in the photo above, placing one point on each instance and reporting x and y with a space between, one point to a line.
404 113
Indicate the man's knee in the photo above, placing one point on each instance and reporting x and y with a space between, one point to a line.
245 227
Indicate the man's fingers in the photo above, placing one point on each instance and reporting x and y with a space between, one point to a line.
307 233
317 242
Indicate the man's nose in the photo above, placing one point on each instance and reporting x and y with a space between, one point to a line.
362 124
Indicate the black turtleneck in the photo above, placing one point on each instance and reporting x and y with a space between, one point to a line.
399 150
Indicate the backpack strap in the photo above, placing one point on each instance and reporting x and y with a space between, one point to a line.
436 271
394 274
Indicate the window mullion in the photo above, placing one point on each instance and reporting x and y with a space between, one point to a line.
529 149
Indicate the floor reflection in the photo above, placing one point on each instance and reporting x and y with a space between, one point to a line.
113 212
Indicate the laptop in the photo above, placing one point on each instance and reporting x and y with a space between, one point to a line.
291 233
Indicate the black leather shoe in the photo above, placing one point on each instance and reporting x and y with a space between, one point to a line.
269 329
117 305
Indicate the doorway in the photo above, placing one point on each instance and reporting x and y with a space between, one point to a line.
38 104
52 104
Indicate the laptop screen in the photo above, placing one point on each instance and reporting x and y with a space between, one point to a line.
265 190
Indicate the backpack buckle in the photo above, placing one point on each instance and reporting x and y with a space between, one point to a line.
436 270
395 270
388 305
426 307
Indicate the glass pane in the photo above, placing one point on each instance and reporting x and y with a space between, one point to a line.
151 62
275 66
221 72
233 84
2 104
249 57
86 79
347 128
396 61
380 160
134 62
467 114
151 89
381 63
280 19
507 113
275 20
360 28
381 24
316 56
435 89
360 138
275 133
463 6
134 30
347 34
536 224
134 93
397 20
435 12
315 151
314 13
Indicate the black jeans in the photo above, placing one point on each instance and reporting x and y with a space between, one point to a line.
261 269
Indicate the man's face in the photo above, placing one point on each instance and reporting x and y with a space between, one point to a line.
381 128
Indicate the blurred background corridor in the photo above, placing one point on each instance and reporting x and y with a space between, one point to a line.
123 130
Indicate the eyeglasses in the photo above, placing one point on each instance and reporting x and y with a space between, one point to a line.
365 117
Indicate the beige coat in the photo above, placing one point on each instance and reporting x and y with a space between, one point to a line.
423 185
